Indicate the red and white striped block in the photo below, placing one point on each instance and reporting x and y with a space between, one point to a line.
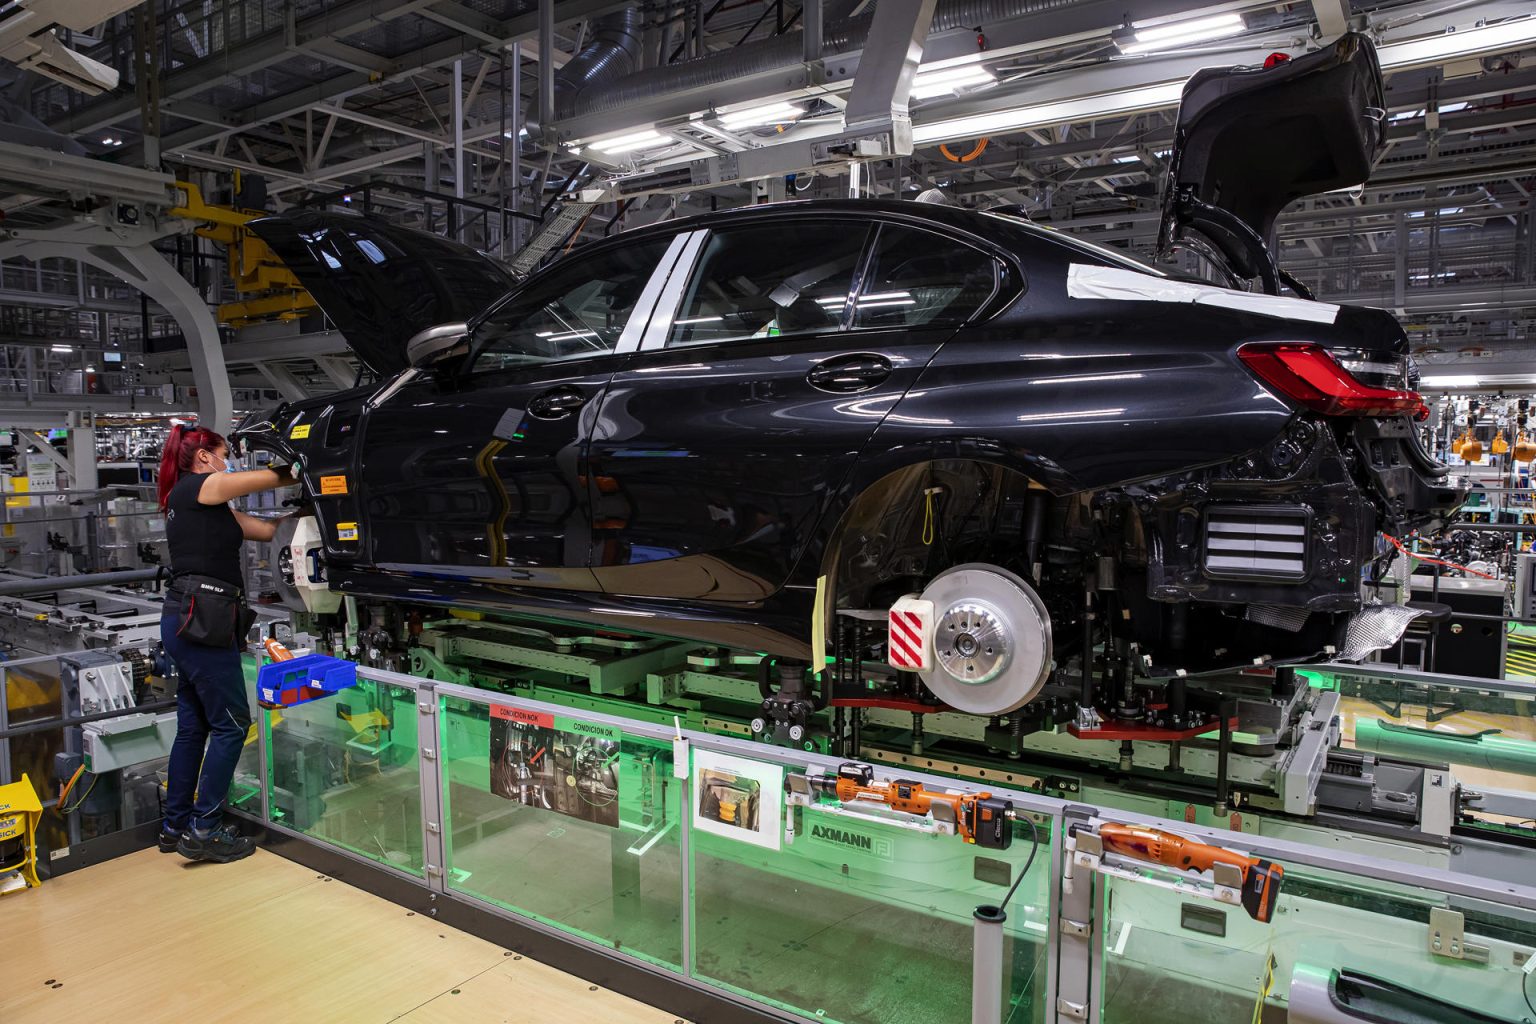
910 642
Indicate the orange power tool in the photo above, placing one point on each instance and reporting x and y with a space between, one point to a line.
980 818
1261 879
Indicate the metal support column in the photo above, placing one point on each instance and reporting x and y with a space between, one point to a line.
1074 932
514 144
82 459
890 58
434 851
546 63
810 36
458 142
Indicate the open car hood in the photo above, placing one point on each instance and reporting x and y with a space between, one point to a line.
379 283
1251 140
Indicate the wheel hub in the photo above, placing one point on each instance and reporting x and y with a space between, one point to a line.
972 642
991 640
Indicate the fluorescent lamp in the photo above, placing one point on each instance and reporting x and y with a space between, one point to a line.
1184 33
948 80
1472 42
63 348
1448 382
1083 108
1132 159
771 113
626 143
700 320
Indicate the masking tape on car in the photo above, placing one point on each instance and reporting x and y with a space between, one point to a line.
346 531
333 485
1090 282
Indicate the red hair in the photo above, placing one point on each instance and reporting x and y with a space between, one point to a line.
180 449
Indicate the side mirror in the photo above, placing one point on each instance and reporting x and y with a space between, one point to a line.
432 344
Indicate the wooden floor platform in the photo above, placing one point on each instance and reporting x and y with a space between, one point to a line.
153 937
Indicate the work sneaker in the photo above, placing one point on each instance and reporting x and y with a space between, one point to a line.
221 846
168 841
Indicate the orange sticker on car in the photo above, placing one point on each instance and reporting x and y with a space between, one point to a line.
333 485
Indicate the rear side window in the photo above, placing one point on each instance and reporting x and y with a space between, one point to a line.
762 281
919 279
578 309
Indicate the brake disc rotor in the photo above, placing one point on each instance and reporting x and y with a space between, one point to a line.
991 642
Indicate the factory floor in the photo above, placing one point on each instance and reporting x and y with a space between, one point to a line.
152 937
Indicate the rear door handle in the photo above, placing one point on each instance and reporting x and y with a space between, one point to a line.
846 374
556 403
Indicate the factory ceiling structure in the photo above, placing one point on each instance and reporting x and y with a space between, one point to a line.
580 118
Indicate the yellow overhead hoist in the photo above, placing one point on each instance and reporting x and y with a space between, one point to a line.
268 289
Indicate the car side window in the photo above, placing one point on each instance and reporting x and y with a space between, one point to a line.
761 281
577 310
918 278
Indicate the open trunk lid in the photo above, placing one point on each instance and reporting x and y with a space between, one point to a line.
380 283
1251 140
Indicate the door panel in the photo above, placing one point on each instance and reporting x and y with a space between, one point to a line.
719 445
480 474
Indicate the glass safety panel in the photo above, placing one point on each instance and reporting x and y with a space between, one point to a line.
853 919
345 770
1485 734
570 822
1168 956
245 786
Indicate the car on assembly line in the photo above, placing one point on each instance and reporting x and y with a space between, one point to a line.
726 427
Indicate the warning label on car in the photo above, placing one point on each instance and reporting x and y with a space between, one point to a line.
333 485
346 531
300 432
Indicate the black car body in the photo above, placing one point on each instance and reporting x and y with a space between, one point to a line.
686 430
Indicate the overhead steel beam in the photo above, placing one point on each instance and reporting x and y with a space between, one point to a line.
282 378
437 55
892 52
249 353
341 372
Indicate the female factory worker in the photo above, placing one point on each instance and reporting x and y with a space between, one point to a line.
204 620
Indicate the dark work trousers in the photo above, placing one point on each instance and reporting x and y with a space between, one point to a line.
211 713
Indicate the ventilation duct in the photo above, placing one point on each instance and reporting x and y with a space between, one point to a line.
612 53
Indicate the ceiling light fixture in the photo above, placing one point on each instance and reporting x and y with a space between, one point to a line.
1182 33
943 81
63 348
770 113
627 142
1082 108
1471 42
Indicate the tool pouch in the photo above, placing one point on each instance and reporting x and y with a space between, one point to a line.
210 612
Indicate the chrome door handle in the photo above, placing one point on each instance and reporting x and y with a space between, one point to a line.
846 374
556 403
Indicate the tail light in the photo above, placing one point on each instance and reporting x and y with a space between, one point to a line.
1309 375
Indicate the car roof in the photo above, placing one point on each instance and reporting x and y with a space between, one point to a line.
1006 231
970 221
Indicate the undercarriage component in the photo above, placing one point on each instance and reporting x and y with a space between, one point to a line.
787 708
991 643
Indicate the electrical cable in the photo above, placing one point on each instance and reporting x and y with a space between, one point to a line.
1034 848
83 797
1435 561
64 792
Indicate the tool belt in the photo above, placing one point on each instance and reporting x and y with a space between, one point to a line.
209 611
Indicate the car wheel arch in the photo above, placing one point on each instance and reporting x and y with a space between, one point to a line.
900 480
